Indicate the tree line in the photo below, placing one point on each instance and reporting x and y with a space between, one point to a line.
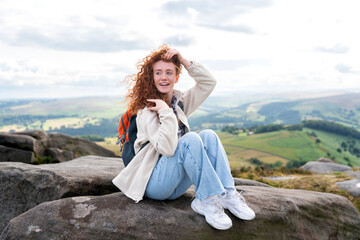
28 119
106 128
332 127
325 126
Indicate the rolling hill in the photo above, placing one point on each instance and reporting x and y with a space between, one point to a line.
100 115
286 147
344 109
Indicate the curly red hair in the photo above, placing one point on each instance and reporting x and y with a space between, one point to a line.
142 86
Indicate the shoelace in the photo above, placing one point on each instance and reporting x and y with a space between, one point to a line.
218 209
216 206
237 196
240 196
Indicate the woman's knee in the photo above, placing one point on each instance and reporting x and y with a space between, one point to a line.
157 195
207 133
191 137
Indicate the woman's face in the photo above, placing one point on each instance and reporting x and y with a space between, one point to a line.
165 77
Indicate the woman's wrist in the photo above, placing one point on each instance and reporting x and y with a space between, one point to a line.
186 63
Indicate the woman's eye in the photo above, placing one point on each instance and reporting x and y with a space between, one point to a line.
169 73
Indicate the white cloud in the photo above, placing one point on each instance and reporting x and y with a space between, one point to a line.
343 68
337 49
179 40
247 44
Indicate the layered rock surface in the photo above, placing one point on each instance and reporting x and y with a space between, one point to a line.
23 186
352 186
57 201
325 160
35 146
326 167
280 214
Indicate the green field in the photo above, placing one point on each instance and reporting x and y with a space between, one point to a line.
284 146
269 148
100 116
241 110
53 124
331 142
98 107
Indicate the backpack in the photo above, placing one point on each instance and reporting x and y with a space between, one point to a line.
128 133
127 136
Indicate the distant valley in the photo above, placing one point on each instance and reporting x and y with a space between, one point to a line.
100 115
344 109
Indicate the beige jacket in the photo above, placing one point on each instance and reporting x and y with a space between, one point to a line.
161 130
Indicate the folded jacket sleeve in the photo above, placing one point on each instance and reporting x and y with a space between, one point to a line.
204 85
161 131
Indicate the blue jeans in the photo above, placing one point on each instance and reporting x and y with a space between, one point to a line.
199 160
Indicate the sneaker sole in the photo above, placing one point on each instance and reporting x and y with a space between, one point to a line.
242 217
193 206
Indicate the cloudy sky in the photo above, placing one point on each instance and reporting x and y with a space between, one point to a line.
67 48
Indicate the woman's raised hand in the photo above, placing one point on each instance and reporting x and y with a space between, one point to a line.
172 52
159 104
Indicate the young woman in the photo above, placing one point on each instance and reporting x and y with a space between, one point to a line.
176 158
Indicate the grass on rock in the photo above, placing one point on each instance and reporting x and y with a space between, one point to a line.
304 180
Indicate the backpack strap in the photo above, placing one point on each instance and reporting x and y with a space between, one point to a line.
123 124
181 105
127 115
123 136
142 146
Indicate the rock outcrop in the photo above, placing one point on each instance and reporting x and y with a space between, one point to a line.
23 186
280 214
326 167
8 154
355 174
248 182
35 146
325 160
61 201
351 186
280 178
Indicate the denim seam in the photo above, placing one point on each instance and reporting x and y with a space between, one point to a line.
193 157
209 153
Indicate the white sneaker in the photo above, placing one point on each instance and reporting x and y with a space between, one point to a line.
236 205
213 212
